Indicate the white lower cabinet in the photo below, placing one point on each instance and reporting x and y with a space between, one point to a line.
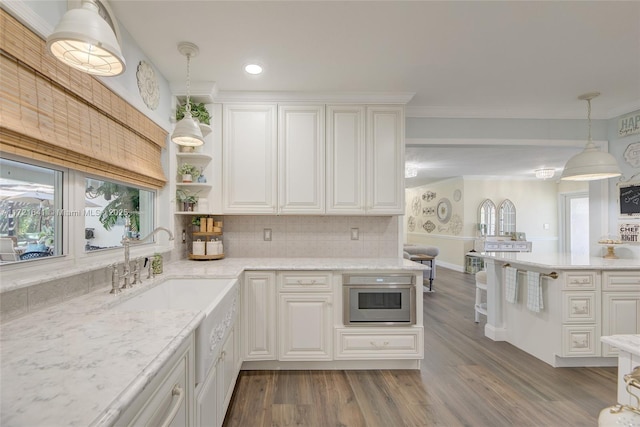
378 343
305 326
259 315
214 394
620 316
169 397
305 315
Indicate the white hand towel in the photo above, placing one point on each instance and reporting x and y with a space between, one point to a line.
511 284
534 292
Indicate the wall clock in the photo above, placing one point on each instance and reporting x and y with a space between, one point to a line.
443 210
148 85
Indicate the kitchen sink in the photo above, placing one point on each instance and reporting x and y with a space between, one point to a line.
217 298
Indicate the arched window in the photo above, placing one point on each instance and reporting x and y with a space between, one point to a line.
487 218
506 217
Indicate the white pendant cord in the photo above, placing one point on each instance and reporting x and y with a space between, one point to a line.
188 106
588 120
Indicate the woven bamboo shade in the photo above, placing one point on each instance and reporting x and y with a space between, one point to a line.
56 114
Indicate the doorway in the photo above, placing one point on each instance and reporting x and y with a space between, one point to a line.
574 218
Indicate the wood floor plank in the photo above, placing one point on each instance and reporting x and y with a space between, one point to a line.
465 379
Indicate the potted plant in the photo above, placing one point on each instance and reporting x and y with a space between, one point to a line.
187 199
198 112
188 172
195 223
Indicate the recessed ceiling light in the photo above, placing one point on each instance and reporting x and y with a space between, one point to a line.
253 69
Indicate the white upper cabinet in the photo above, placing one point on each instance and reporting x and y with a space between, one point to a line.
365 158
296 162
385 160
250 159
345 159
301 154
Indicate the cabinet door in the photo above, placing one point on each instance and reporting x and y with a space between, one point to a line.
301 168
345 159
385 160
304 327
620 316
250 159
258 316
207 407
228 368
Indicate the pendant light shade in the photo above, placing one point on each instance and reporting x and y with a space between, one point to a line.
85 41
187 131
591 164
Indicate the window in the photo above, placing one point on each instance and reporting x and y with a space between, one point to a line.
112 210
487 218
506 218
30 211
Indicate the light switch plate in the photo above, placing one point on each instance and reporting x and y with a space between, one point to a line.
355 234
266 234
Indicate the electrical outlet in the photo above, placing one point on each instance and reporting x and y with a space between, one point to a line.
545 226
355 234
266 234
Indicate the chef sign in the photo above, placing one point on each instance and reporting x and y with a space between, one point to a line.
629 233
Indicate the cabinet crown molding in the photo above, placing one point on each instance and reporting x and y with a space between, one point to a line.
316 97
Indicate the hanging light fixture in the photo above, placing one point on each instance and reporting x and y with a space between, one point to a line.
85 41
545 173
592 163
187 131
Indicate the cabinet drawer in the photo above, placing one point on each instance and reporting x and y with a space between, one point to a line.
621 280
304 281
579 340
167 397
360 344
579 307
580 280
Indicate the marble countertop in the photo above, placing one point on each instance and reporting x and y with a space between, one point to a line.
628 343
81 363
560 261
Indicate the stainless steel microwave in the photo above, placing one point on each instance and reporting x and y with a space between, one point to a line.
379 300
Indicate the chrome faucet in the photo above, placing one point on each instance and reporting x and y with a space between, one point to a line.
126 243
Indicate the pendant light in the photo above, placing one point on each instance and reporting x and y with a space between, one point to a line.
591 164
187 131
85 41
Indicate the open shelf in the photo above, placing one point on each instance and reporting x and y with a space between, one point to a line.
194 184
207 233
194 156
205 257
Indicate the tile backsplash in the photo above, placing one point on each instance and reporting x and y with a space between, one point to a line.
311 236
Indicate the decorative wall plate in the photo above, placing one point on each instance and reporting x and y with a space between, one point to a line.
455 225
429 196
443 210
411 224
632 154
457 195
415 206
429 226
148 85
429 211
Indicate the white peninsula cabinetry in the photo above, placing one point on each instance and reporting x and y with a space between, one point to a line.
288 159
293 317
583 300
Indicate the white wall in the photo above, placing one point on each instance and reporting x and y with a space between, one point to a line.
536 204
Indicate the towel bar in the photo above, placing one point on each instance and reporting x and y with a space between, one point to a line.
553 274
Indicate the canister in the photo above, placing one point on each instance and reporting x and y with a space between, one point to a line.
198 247
209 225
212 247
203 224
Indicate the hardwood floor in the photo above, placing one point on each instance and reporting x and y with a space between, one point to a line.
466 379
